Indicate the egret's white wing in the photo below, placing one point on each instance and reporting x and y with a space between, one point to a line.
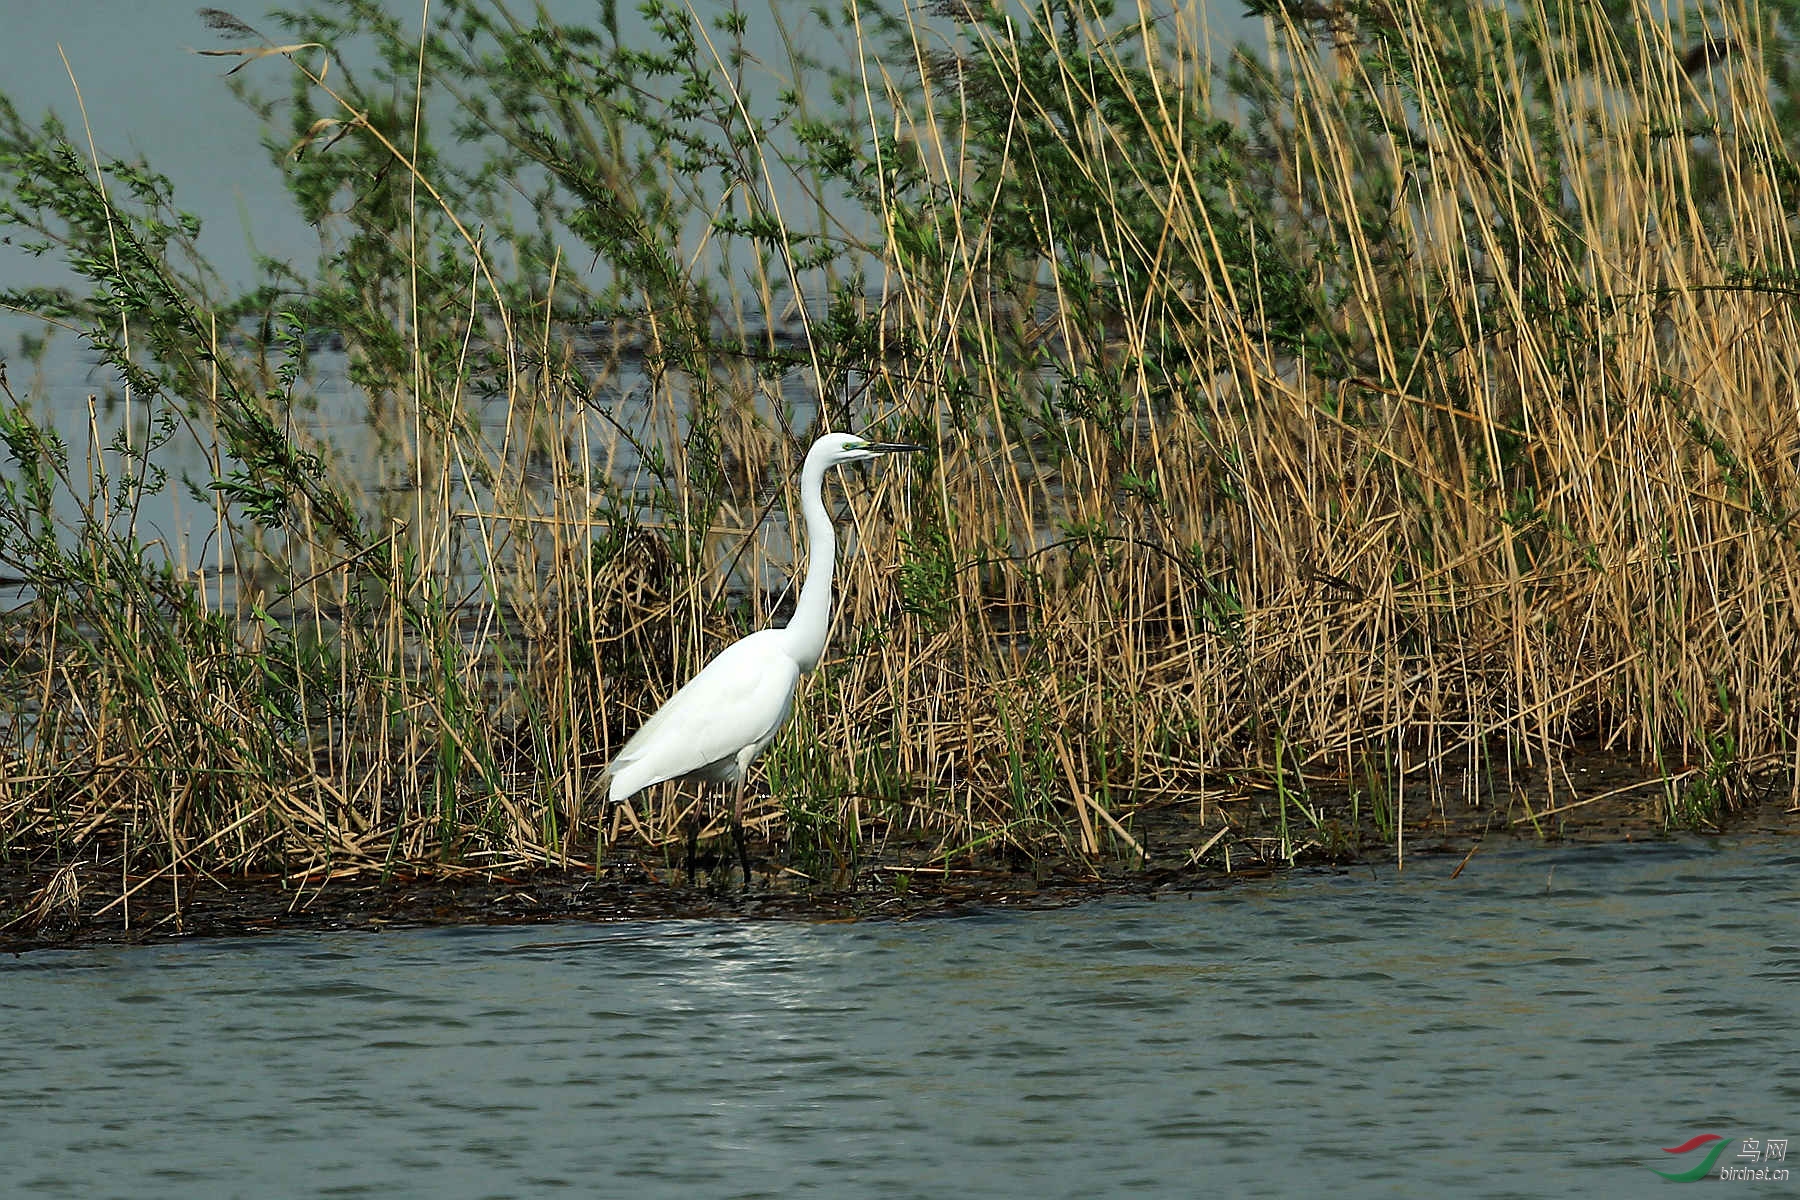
739 699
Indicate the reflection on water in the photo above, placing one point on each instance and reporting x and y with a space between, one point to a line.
1541 1024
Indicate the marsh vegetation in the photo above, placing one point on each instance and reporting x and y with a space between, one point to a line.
1320 433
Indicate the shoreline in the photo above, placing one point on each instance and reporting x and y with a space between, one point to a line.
888 888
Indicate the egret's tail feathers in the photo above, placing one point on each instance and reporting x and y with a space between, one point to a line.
628 779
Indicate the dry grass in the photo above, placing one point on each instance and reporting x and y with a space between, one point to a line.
1534 488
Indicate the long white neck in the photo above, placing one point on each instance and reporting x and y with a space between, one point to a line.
811 622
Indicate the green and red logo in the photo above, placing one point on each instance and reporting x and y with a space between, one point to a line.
1718 1145
1757 1160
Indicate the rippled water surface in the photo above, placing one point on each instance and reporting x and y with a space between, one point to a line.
1540 1025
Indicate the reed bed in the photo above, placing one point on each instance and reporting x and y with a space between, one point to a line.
1397 406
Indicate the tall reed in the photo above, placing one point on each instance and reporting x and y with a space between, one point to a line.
1402 403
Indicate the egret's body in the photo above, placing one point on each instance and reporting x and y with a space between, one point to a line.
713 728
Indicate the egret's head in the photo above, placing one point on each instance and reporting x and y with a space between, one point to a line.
848 447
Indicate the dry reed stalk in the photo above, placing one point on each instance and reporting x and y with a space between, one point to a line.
1540 490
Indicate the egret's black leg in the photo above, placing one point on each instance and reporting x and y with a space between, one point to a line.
737 835
693 840
737 831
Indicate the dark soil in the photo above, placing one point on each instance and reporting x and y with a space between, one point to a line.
47 905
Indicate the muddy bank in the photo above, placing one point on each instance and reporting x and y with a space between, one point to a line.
1190 846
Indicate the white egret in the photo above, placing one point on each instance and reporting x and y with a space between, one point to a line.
713 728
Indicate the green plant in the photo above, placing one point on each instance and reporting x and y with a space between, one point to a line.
1364 400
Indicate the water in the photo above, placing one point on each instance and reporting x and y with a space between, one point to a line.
1544 1023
